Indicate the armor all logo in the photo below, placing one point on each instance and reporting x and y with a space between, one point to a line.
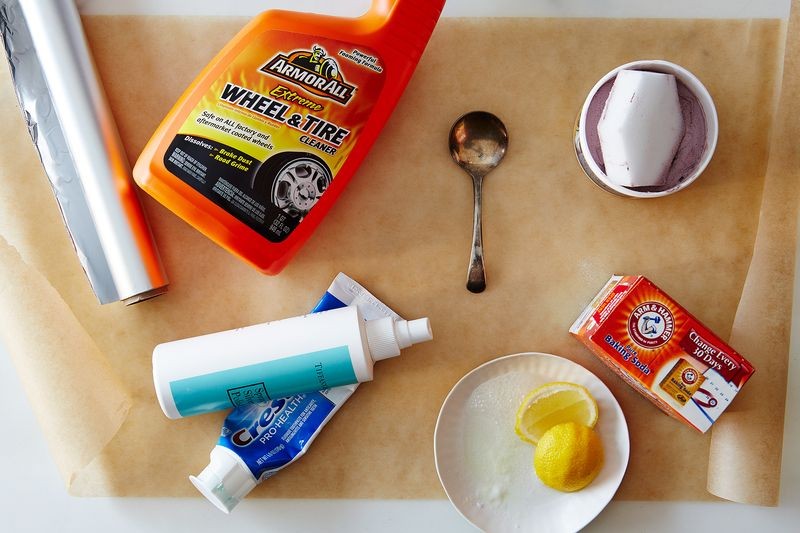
314 71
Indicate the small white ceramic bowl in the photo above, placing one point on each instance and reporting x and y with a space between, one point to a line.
592 168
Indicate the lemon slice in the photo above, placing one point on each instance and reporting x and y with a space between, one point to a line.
551 404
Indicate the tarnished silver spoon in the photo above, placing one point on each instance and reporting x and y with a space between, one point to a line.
478 142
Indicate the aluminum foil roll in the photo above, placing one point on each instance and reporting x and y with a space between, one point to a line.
71 124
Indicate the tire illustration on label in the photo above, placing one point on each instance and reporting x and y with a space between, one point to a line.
293 181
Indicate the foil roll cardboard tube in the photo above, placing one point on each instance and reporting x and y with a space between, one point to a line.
74 131
593 168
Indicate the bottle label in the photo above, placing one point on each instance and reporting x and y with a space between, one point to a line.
269 136
262 382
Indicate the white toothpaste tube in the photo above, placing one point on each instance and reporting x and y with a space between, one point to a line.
256 364
258 440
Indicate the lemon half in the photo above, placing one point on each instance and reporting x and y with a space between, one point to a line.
552 404
568 457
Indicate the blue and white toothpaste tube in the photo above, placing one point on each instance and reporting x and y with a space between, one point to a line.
258 440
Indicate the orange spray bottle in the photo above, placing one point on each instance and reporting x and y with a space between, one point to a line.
263 142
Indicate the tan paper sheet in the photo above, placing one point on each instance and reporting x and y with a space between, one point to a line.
403 228
760 327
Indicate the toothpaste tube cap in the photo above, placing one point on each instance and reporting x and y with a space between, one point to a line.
225 481
410 332
386 337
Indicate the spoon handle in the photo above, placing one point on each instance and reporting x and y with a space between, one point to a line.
476 278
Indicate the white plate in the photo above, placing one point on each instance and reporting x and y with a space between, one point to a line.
487 471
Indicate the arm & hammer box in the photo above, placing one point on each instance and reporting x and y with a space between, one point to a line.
662 351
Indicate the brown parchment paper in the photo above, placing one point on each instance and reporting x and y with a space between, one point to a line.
760 327
403 229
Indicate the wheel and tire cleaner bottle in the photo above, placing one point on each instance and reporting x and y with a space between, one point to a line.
262 143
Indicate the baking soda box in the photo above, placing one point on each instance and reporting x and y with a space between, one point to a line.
662 351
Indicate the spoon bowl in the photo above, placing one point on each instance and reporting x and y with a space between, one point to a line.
478 142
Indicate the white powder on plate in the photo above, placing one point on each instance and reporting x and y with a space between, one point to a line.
499 463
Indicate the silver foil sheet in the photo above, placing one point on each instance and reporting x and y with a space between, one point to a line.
70 122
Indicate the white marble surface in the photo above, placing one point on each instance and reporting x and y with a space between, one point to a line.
32 497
